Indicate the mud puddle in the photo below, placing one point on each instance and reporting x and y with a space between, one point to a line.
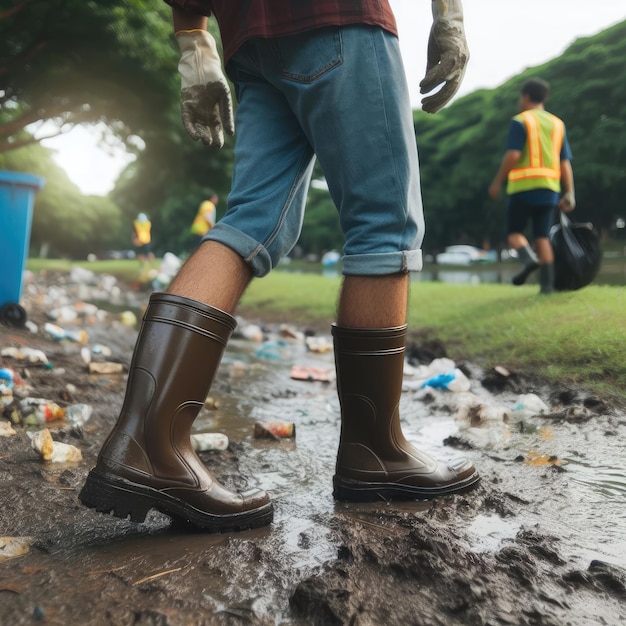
541 541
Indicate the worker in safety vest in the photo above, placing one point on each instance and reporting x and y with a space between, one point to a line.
142 237
538 167
204 220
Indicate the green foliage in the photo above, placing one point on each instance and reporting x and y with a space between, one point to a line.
65 222
73 61
461 147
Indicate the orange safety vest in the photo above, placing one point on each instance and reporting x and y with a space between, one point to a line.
539 166
143 231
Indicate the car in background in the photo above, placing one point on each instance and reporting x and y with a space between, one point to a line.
119 254
466 255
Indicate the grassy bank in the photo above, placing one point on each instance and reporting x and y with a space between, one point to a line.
124 269
577 338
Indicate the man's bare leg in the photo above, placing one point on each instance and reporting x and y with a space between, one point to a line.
215 275
373 301
544 250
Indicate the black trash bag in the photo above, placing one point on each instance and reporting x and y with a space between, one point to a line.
577 254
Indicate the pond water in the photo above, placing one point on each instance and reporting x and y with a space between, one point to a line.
612 272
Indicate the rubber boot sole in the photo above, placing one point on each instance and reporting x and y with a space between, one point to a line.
348 490
124 499
521 277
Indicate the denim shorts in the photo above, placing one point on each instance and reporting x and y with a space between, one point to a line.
338 94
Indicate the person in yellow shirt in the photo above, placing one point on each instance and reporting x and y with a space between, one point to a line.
204 220
142 237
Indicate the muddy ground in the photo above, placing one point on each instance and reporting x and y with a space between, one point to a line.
541 541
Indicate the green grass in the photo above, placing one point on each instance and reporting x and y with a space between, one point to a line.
124 269
576 338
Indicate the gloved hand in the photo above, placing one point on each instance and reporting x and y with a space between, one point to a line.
448 54
568 202
206 104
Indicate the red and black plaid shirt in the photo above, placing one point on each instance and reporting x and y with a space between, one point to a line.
240 20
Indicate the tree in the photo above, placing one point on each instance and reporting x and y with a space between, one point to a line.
461 147
74 61
65 223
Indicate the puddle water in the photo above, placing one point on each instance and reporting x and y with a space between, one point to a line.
488 533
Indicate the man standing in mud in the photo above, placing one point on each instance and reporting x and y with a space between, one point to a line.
312 79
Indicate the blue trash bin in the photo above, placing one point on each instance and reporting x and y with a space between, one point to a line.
17 197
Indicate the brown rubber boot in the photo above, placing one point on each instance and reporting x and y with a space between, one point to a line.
375 461
147 461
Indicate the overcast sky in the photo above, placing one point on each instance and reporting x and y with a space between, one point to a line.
505 37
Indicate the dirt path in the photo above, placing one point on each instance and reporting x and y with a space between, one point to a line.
540 541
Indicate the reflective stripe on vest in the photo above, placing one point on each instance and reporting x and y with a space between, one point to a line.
539 166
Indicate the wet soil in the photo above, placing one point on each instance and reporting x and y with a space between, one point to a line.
541 541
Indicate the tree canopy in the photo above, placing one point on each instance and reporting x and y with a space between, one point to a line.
81 62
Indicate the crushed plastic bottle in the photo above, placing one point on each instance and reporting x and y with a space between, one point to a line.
274 430
78 414
209 441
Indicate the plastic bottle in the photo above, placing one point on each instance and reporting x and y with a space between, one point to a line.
209 441
78 414
274 430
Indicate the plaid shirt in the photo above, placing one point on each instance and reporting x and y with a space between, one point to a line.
244 19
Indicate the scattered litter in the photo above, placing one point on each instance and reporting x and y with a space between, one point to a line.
128 318
78 414
26 354
37 411
539 460
211 403
453 380
320 345
290 332
319 374
209 441
106 367
11 547
529 405
54 451
168 268
274 430
252 332
6 430
272 350
57 332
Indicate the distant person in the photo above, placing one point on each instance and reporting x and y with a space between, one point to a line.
204 220
538 167
142 237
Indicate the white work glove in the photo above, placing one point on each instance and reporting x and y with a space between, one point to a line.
206 104
568 202
448 54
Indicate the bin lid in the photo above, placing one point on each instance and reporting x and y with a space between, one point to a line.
21 178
